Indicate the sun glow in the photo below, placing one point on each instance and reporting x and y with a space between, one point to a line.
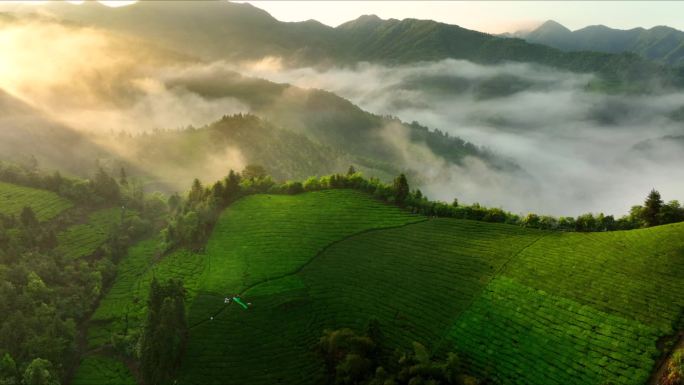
117 3
109 3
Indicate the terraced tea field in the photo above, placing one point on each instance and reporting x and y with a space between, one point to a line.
523 306
579 308
258 240
83 240
45 204
124 305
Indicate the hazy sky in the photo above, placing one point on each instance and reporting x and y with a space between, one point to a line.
493 17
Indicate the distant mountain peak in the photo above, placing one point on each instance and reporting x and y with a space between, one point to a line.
552 26
363 20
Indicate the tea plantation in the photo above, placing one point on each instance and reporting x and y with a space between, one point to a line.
45 204
83 239
518 305
123 307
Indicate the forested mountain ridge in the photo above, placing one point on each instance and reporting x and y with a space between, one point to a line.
222 30
661 43
99 115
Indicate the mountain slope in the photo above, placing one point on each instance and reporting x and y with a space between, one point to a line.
27 132
222 30
661 43
491 292
334 122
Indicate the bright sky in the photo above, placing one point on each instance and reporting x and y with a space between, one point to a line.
492 17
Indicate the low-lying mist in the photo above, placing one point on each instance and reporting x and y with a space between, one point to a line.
580 148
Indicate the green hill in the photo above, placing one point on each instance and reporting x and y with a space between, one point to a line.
45 204
520 305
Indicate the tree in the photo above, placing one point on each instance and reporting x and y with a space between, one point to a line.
401 189
346 355
671 212
39 372
28 217
8 371
254 171
123 180
196 192
231 190
652 207
164 333
351 170
105 186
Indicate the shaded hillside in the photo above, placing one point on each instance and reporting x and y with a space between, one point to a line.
222 30
661 43
176 157
26 132
333 121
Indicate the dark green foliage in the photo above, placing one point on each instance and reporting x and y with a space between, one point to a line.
105 187
351 360
401 189
52 271
652 207
39 372
28 217
164 333
8 371
671 212
347 356
654 212
254 171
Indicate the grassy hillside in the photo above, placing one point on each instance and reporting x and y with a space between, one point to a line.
45 204
124 306
523 306
83 239
257 241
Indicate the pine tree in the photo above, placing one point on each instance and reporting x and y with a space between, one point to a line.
401 189
652 208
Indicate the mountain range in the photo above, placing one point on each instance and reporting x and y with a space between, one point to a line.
231 31
661 43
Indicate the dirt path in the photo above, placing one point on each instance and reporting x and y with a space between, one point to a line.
662 363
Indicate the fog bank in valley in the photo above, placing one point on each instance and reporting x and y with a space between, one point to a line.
580 148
